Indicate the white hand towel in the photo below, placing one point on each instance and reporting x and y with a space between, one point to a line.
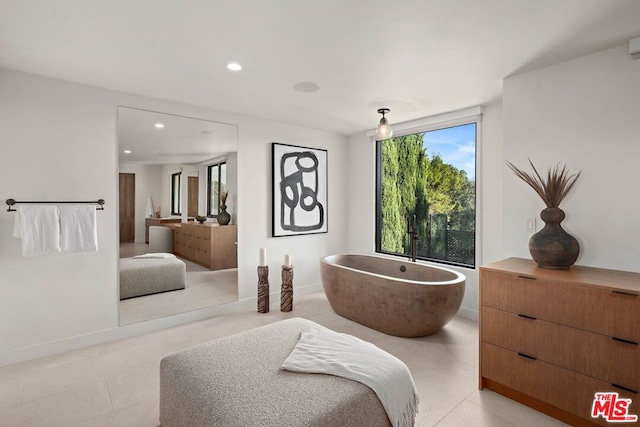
39 229
78 229
149 207
323 351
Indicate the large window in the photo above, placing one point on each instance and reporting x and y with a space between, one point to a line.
427 182
176 193
217 179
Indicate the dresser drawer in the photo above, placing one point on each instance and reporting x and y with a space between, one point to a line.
562 388
202 256
177 238
607 312
188 229
599 356
202 231
200 243
187 250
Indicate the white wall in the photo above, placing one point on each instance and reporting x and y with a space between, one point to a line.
232 186
361 189
58 141
585 113
148 184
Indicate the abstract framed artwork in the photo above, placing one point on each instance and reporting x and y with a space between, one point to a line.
299 190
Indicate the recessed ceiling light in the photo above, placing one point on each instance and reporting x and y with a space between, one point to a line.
159 125
306 87
234 66
127 151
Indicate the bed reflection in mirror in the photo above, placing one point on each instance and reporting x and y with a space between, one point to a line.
176 174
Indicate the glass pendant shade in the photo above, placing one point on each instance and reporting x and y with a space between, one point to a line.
383 131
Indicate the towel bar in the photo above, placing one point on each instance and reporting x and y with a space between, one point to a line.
100 202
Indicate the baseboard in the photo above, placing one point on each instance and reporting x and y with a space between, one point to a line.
79 341
467 313
302 290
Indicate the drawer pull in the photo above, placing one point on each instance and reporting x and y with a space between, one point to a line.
527 277
630 390
629 294
624 341
527 317
527 356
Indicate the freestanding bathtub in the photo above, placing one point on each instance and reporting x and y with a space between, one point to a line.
396 297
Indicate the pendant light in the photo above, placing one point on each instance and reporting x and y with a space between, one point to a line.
384 131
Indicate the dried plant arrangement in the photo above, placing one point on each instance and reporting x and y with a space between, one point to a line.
554 188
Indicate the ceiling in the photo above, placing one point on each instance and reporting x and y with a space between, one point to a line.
181 140
416 57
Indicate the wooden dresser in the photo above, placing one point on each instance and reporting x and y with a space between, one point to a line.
157 221
551 339
210 245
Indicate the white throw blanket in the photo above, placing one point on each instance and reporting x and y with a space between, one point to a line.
323 351
78 230
39 229
157 255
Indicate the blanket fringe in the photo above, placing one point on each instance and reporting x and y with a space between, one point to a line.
409 414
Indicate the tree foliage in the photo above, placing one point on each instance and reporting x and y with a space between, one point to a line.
415 184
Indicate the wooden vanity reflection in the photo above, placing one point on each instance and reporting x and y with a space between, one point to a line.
209 244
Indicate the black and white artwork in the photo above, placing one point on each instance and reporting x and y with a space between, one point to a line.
299 190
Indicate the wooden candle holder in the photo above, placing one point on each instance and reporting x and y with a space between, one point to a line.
286 294
263 289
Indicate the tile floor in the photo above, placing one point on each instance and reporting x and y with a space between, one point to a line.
116 383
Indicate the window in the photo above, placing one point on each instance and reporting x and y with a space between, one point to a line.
217 179
427 182
176 193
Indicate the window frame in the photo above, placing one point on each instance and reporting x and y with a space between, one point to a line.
174 191
422 126
209 189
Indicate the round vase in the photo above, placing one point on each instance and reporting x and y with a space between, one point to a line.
552 247
223 215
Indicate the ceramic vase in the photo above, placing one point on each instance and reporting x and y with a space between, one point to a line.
223 215
552 247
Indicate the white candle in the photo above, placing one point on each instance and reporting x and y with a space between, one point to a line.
287 260
263 257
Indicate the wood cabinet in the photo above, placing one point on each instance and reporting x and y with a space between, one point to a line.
192 200
127 196
148 222
551 339
210 245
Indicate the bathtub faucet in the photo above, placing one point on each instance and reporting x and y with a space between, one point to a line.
414 245
413 233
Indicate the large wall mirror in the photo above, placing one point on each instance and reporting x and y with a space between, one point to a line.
178 202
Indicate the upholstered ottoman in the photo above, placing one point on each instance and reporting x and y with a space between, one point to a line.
160 239
237 381
150 275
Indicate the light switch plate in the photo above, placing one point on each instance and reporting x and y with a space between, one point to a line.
530 225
